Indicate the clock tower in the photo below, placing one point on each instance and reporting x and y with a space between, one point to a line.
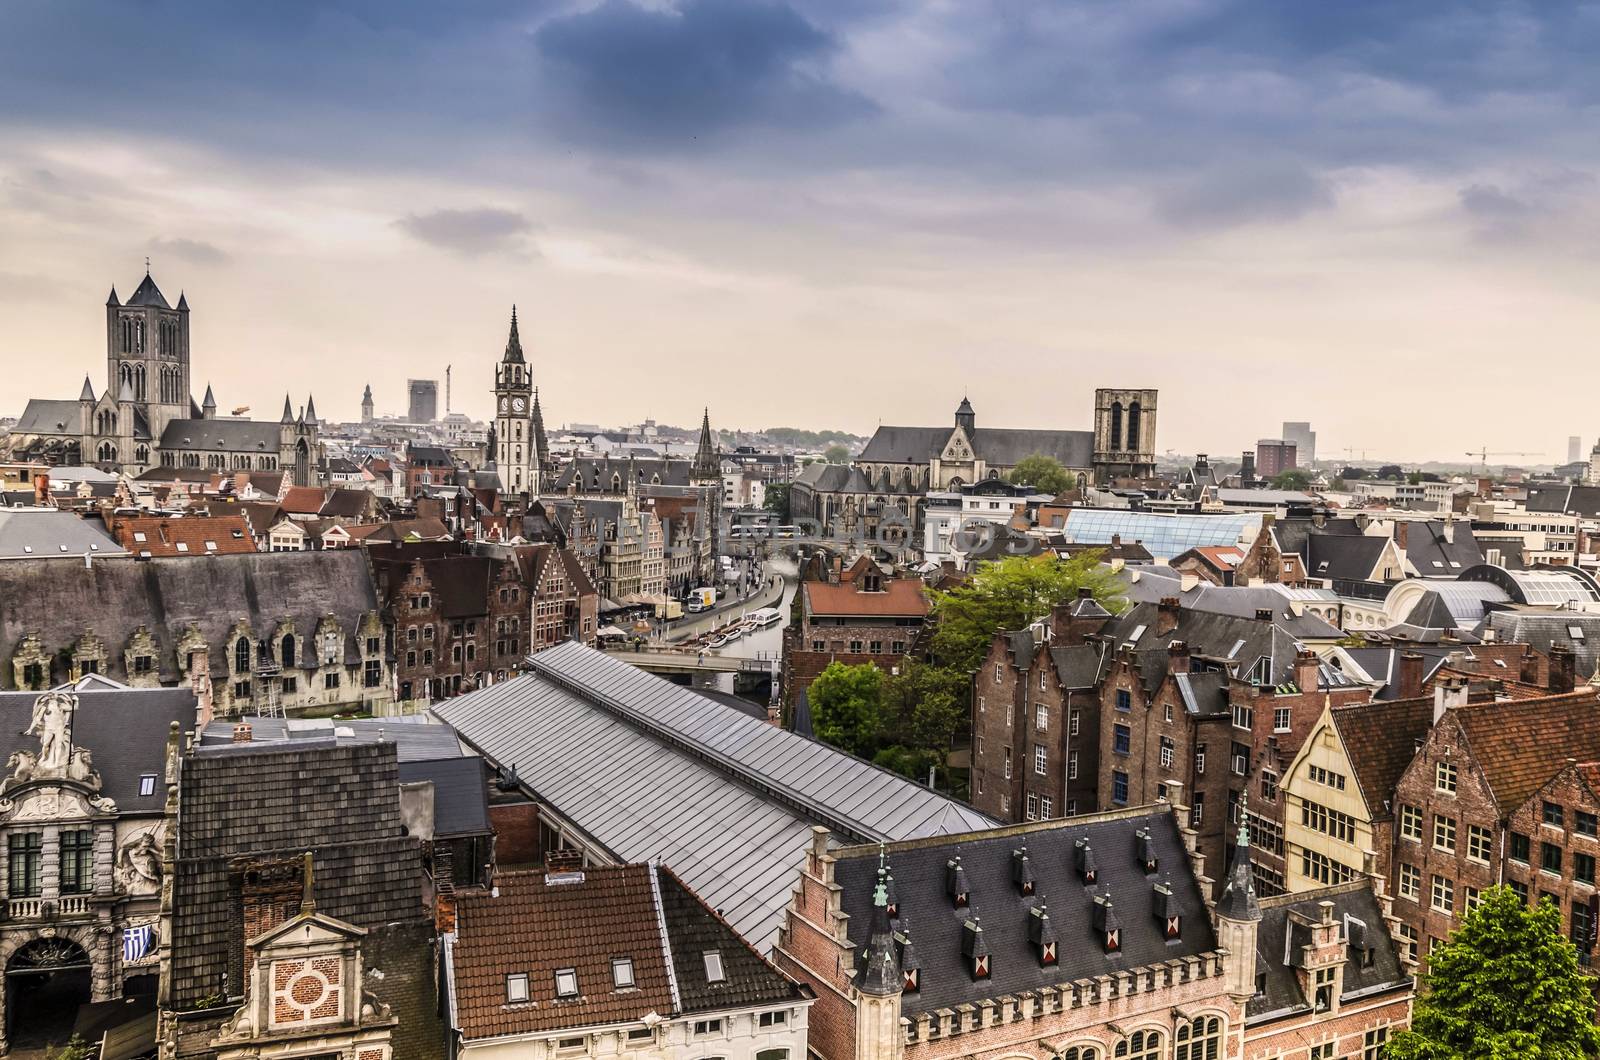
514 454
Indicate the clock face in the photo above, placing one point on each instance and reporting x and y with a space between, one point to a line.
503 403
518 404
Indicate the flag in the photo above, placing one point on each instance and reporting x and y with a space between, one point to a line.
138 943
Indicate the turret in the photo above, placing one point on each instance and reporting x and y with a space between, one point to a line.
208 407
1239 915
878 1034
707 464
966 419
288 411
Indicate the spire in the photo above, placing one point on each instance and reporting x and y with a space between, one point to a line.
707 465
311 408
87 394
513 341
880 974
308 904
183 302
541 444
210 402
149 294
112 301
288 411
1238 901
366 395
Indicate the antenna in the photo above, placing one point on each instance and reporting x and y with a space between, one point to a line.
447 390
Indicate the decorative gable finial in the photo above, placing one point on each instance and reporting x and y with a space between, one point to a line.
308 904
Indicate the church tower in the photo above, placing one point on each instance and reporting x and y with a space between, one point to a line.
366 404
147 351
516 457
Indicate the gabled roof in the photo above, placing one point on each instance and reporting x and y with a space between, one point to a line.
254 436
1380 740
1520 744
148 294
191 535
27 533
1372 963
899 597
48 416
1344 557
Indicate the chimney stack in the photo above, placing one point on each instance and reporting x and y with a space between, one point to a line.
1167 615
1409 680
242 733
1563 669
1447 695
1306 667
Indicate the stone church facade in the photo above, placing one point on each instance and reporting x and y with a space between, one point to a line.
146 416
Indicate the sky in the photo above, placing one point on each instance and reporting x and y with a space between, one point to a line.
1379 217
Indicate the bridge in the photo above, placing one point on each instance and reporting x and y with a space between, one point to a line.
671 660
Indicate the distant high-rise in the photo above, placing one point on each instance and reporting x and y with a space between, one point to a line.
1305 442
424 400
1574 449
1274 456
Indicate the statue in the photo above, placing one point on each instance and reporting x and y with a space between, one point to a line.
52 724
139 865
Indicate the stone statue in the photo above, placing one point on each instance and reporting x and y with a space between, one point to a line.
139 865
52 724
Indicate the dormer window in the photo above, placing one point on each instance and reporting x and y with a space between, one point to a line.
714 972
516 988
622 973
566 982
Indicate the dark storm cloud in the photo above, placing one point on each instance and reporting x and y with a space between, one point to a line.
666 77
472 232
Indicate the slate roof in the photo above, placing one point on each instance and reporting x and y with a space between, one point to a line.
343 805
595 472
935 925
1278 936
1380 739
1078 666
1433 556
1520 744
48 416
834 478
460 793
1242 644
256 436
148 294
414 736
599 741
997 446
125 730
1152 584
59 598
1343 557
42 533
1544 630
1382 664
1565 499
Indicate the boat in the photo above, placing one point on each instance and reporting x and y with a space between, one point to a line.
765 617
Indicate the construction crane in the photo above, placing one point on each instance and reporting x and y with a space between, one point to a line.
240 411
1484 454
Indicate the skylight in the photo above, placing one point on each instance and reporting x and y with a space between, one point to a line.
714 973
566 982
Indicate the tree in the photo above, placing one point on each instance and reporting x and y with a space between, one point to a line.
1505 984
836 454
1009 594
846 707
775 499
925 706
1295 478
1044 473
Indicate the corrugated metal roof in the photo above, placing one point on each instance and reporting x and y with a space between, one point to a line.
650 769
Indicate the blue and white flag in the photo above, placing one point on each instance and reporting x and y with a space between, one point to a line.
138 943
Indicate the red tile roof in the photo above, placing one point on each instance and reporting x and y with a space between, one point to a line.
1380 739
155 535
1521 744
899 597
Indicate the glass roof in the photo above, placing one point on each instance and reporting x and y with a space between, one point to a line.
1164 535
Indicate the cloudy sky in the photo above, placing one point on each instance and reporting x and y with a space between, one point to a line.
1377 216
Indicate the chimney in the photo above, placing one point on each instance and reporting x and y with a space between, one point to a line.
1178 657
200 683
1447 695
1562 668
1402 532
1306 665
1263 614
242 732
1409 680
1450 531
41 488
1167 615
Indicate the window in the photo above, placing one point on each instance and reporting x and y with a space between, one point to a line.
1478 843
1324 869
714 973
1199 758
1244 717
1199 1039
1444 778
1444 833
147 784
640 1035
571 1045
1041 717
1550 858
77 861
1081 1052
1410 882
1167 713
1008 763
566 982
1140 1045
1121 739
1119 787
1124 699
998 674
1197 812
371 673
1241 760
516 988
1269 786
1032 811
705 1027
1410 823
330 681
1324 990
1408 941
1583 868
1582 927
1326 777
1168 749
1046 807
241 656
1585 824
1282 719
1552 815
1443 894
1319 818
773 1054
1519 847
622 972
1321 1051
1073 721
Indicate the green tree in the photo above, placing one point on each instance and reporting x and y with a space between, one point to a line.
836 454
1505 986
1009 594
1295 478
925 706
1043 473
775 499
847 707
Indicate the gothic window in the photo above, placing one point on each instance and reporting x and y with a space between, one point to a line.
191 459
107 452
287 651
241 656
1116 425
1133 427
124 378
139 373
1199 1039
127 335
1140 1045
142 454
616 482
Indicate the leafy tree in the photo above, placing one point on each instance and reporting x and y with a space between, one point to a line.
1414 479
775 499
925 706
847 706
1390 472
1505 985
1296 478
1044 473
1353 473
1009 594
836 454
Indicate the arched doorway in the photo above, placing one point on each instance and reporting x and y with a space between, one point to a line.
47 980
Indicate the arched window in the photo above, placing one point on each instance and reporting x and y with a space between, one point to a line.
1140 1045
287 652
142 454
616 482
1199 1039
1133 427
241 655
139 378
1082 1052
107 452
124 378
1116 425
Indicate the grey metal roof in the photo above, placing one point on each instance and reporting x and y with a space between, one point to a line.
229 435
27 533
48 416
415 737
651 769
997 446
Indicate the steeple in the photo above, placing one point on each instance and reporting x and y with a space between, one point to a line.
1238 901
966 419
707 465
513 342
541 444
183 302
880 973
112 301
311 409
288 411
148 294
87 394
208 407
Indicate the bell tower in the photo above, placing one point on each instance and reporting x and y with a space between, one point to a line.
515 454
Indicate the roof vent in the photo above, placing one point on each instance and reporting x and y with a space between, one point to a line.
1022 871
1083 860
